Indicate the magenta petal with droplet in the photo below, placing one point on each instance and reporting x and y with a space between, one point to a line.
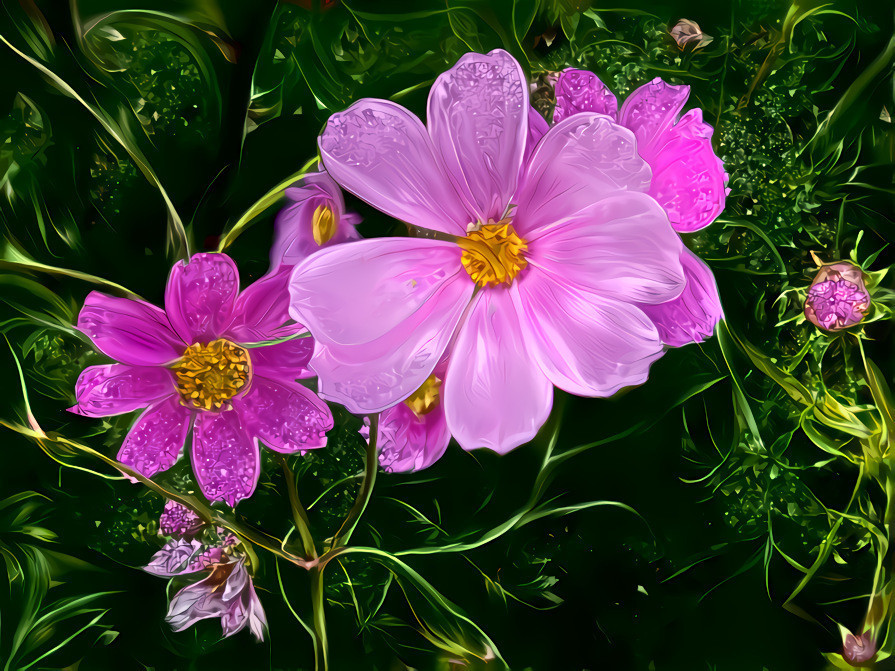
225 457
287 417
118 388
156 439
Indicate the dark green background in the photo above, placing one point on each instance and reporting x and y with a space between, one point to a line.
609 590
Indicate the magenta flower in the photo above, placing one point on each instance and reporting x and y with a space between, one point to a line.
688 181
413 434
837 298
178 521
189 366
315 218
528 272
227 592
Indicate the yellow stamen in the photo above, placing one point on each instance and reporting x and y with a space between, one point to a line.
493 253
208 376
324 224
425 399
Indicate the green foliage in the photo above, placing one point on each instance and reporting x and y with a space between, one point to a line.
745 493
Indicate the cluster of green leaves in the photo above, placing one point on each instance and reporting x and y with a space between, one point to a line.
762 457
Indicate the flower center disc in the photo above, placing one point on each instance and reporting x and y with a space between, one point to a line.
210 375
323 224
492 254
425 399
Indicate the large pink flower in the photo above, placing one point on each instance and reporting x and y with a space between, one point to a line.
191 365
528 273
688 180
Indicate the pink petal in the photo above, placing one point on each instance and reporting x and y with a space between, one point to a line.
582 91
262 310
688 178
585 344
294 231
156 439
692 316
382 153
495 396
225 457
620 247
651 109
286 416
117 388
355 294
537 128
200 296
581 160
478 122
175 558
284 361
373 376
129 331
409 442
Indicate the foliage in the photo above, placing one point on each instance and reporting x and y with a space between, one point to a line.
744 494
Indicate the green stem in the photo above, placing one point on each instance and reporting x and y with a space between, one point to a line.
321 662
299 515
371 466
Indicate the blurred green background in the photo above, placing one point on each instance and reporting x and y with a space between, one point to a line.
103 102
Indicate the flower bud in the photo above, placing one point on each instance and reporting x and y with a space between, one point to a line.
178 521
837 298
685 31
858 649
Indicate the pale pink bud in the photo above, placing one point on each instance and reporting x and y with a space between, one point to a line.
837 298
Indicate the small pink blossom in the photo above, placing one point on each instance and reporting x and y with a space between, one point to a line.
858 649
687 32
192 365
178 521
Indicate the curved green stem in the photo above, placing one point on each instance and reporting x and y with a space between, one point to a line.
371 466
321 662
299 514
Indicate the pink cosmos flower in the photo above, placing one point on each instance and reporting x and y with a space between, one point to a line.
315 218
688 181
227 592
190 366
529 271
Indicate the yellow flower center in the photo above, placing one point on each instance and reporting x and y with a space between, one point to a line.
425 399
493 253
323 224
208 376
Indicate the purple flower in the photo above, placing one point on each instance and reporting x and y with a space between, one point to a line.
178 521
688 181
186 366
528 272
858 649
413 434
837 298
226 592
316 218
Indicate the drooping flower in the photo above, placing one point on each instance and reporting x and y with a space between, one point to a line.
178 521
227 591
191 365
688 180
530 271
315 218
858 649
837 298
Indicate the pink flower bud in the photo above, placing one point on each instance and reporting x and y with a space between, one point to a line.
858 649
685 31
178 521
837 298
